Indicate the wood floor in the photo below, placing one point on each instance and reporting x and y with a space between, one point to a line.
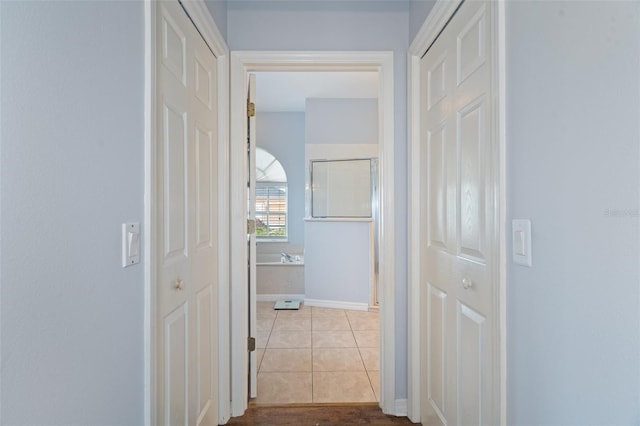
318 415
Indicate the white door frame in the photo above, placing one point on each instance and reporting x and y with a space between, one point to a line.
439 16
205 24
243 63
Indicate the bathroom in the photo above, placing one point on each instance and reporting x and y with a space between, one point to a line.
323 258
316 210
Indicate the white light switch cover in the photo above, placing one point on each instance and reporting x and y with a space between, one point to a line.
130 244
521 236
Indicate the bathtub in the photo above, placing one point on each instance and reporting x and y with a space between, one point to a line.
276 280
273 259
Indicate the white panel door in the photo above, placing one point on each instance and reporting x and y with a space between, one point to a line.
458 224
187 223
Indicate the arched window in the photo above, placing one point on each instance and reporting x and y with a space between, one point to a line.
271 197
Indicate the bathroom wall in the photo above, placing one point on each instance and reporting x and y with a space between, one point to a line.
341 121
338 261
338 253
282 134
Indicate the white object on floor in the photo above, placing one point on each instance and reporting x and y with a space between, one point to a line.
287 304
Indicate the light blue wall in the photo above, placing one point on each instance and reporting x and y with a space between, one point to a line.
419 10
342 121
344 25
338 254
573 132
337 263
218 9
282 134
71 161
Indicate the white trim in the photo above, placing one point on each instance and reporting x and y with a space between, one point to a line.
276 297
201 17
501 100
338 219
148 235
334 304
243 63
400 408
413 241
435 22
441 13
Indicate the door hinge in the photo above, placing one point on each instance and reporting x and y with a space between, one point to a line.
251 344
251 226
251 109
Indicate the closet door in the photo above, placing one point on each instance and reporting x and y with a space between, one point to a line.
458 223
187 223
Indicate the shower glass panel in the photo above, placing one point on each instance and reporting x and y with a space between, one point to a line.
342 188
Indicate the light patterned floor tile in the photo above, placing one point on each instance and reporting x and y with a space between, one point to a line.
286 360
294 313
374 378
263 323
327 312
284 388
332 359
259 355
343 366
371 358
330 323
280 339
292 324
342 387
262 338
367 339
333 339
363 320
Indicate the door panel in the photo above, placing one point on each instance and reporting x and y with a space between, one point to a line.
458 223
174 206
436 387
438 195
186 213
204 178
205 347
471 168
176 373
471 336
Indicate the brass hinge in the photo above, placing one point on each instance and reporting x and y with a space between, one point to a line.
251 226
251 344
251 109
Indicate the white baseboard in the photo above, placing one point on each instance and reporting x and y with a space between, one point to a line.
354 306
276 297
401 408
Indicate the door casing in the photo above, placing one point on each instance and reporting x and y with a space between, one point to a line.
242 63
438 18
201 17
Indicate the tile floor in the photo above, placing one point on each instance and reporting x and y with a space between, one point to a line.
317 355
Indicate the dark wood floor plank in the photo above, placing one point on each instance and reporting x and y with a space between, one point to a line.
317 415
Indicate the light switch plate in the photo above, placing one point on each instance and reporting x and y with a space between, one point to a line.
521 237
130 244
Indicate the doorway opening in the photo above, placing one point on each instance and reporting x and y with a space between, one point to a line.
315 196
243 299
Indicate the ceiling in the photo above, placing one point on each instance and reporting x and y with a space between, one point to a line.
287 91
